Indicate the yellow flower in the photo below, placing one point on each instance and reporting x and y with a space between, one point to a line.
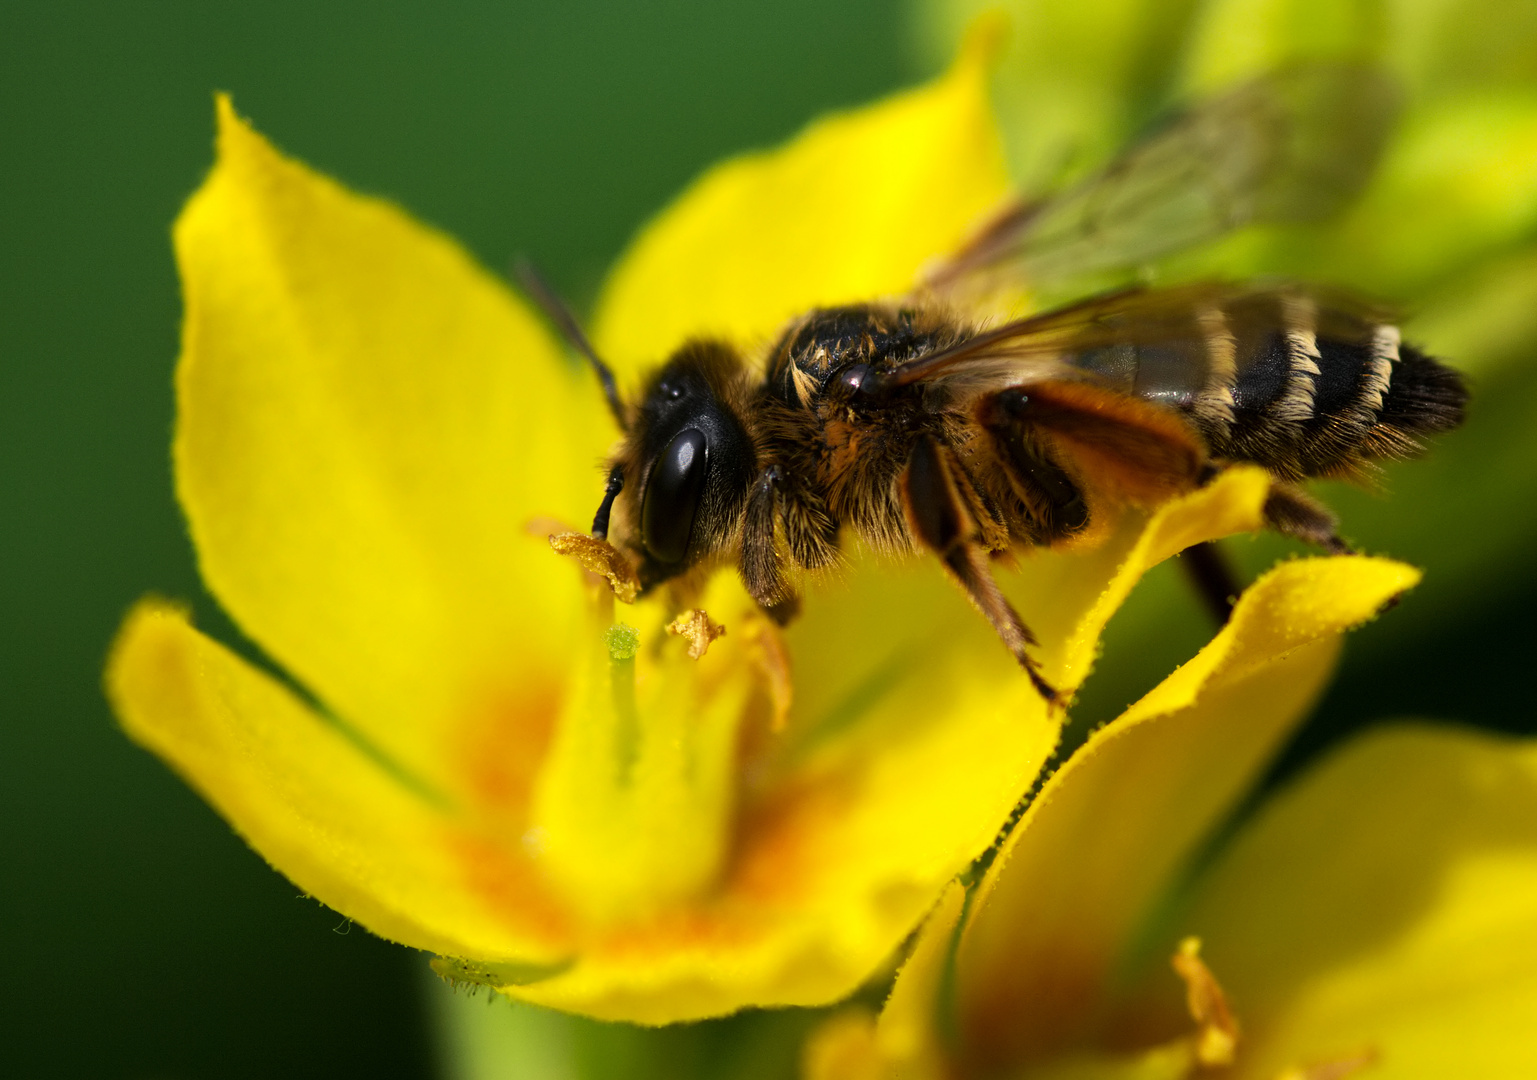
1381 911
470 750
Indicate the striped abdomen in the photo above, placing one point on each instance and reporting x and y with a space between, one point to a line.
1288 381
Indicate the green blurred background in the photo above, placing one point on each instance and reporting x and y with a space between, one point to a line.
141 938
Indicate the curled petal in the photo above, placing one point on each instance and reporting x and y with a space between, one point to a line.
1060 907
905 1041
1385 906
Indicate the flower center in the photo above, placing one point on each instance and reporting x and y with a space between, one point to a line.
633 808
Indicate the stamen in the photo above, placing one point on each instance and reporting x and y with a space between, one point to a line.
773 662
1216 1039
633 807
601 558
623 643
699 628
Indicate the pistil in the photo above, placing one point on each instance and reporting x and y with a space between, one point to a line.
633 807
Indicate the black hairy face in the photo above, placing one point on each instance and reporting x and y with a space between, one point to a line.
690 462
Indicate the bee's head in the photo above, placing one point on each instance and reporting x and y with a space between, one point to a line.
686 464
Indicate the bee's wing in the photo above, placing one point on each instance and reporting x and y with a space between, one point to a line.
1053 343
1074 377
1293 145
1084 340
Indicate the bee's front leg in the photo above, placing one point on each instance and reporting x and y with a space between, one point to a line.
939 517
762 563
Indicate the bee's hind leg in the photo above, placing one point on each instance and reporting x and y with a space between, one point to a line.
941 520
1212 575
1292 512
1289 511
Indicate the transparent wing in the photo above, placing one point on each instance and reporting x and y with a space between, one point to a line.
1294 145
1181 320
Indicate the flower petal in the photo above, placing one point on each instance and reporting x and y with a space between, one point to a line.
1065 581
1386 903
849 210
905 1033
843 839
372 845
903 1041
1100 843
912 737
367 422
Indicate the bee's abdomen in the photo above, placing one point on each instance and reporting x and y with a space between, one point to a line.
1279 379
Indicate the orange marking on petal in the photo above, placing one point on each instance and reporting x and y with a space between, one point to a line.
675 931
501 747
510 884
777 857
993 1035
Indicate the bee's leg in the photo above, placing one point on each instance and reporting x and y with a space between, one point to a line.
942 522
761 565
1215 580
1292 512
810 533
1288 510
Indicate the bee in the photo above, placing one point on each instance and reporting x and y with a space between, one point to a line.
918 424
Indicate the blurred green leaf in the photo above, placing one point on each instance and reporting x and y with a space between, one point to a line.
1454 192
1232 40
1443 46
1457 188
1076 79
1487 317
489 1037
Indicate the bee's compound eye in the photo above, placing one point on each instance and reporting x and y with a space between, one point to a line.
1014 402
672 495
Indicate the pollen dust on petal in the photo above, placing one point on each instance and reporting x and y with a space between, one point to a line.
1216 1039
699 628
602 559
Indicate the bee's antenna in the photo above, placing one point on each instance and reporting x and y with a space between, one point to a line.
560 315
